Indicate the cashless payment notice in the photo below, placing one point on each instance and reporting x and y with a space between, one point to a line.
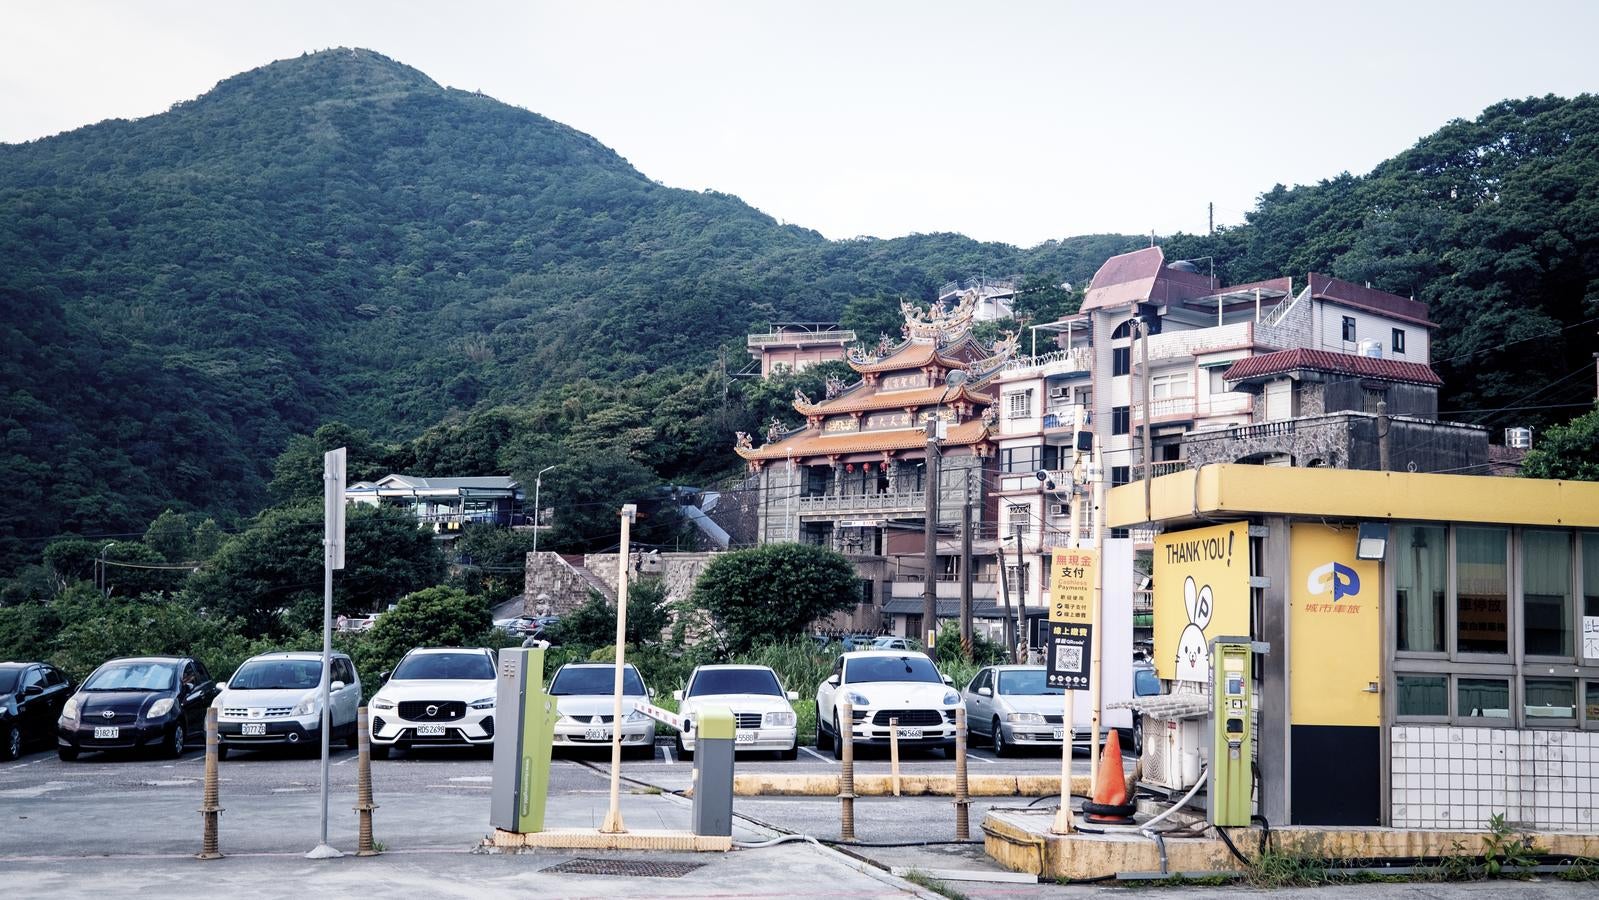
1071 617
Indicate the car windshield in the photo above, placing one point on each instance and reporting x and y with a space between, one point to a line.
420 666
594 680
8 680
1145 684
136 676
913 667
277 674
734 681
1025 683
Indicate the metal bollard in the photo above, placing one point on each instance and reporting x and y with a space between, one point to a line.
363 784
893 753
963 828
846 775
208 806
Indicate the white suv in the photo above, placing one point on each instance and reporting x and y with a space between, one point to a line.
436 697
273 700
883 685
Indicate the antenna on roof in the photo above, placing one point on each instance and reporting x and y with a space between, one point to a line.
1151 237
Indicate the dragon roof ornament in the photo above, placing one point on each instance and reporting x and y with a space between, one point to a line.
941 323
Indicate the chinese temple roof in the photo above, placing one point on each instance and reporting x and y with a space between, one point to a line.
863 401
812 442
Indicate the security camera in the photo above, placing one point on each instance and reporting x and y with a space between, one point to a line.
1041 475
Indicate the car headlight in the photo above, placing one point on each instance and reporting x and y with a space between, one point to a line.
1025 718
780 718
308 705
380 703
159 708
485 703
70 710
635 716
951 698
857 699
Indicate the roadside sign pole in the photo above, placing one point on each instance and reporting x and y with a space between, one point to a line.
332 558
613 818
1094 661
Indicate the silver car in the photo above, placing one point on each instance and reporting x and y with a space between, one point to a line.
584 695
1014 707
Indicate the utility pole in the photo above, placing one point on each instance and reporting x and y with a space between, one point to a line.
930 537
1212 207
1382 436
1021 594
966 568
1149 467
1004 589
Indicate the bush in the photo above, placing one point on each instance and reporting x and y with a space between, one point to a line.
434 617
773 592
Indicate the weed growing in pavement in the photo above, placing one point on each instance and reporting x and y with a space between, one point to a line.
1504 852
922 879
379 847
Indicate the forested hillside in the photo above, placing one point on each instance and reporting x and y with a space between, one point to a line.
337 238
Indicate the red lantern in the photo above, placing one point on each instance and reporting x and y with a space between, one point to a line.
849 467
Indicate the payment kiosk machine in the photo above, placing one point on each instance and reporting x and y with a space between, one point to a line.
1232 743
524 727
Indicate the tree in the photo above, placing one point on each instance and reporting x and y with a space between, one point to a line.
434 617
774 591
594 623
171 535
297 472
492 561
1569 451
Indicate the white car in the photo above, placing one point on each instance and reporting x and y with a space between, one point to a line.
273 700
435 697
584 696
763 717
883 685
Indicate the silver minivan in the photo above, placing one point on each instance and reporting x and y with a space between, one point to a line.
273 701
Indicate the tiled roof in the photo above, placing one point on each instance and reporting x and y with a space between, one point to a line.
1325 287
1139 276
860 401
811 441
911 356
1336 363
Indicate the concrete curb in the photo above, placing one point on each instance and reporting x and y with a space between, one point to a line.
757 784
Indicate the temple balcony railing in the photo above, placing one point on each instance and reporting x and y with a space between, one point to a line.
891 502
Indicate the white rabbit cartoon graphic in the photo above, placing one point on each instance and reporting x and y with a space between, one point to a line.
1193 654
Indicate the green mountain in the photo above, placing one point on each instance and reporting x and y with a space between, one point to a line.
337 237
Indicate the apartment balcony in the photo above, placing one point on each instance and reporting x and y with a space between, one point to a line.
1166 409
1077 360
1064 418
1194 341
800 338
901 503
1166 467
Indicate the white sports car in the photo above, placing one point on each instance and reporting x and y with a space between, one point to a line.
883 686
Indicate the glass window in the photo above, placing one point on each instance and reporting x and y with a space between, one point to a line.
1590 593
132 676
1550 698
1349 328
1421 573
587 680
1487 698
33 676
444 667
1423 695
1121 360
1026 683
891 668
734 681
1399 340
1546 592
1120 419
1592 701
1481 595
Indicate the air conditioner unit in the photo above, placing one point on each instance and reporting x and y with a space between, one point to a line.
1060 509
1060 393
1172 751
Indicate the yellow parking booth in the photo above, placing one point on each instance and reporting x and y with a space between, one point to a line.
1433 639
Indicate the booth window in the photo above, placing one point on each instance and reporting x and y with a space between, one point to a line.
1591 701
1590 574
1482 595
1487 698
1550 701
1546 593
1421 558
1423 695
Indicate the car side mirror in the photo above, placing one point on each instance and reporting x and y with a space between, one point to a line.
383 676
832 680
792 695
946 679
678 696
986 691
222 686
33 690
336 686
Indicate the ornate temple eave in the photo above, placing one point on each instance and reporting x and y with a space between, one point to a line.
812 443
911 399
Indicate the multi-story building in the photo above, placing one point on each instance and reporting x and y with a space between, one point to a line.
1219 364
853 477
796 346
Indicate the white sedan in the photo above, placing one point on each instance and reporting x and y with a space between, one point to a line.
763 717
884 686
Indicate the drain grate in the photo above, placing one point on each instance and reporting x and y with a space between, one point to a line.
631 868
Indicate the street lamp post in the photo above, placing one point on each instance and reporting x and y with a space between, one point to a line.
537 481
105 582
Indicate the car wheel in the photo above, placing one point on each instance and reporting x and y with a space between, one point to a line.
1000 747
13 744
67 754
644 753
824 741
352 741
838 739
174 746
379 751
1138 737
222 751
683 753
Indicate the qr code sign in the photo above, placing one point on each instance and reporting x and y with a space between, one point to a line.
1069 659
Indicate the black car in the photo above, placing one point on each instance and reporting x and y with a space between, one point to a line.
155 702
31 696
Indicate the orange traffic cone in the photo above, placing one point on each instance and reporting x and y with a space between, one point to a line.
1110 805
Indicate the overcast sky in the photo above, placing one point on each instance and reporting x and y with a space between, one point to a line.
1013 121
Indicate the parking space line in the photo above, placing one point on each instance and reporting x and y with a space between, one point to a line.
667 752
815 754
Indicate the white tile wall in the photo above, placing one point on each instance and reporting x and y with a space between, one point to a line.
1456 777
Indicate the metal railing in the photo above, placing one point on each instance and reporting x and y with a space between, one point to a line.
800 337
911 501
1075 359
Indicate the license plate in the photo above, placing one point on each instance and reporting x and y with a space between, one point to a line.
430 731
745 737
106 733
258 728
910 734
597 734
1060 734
